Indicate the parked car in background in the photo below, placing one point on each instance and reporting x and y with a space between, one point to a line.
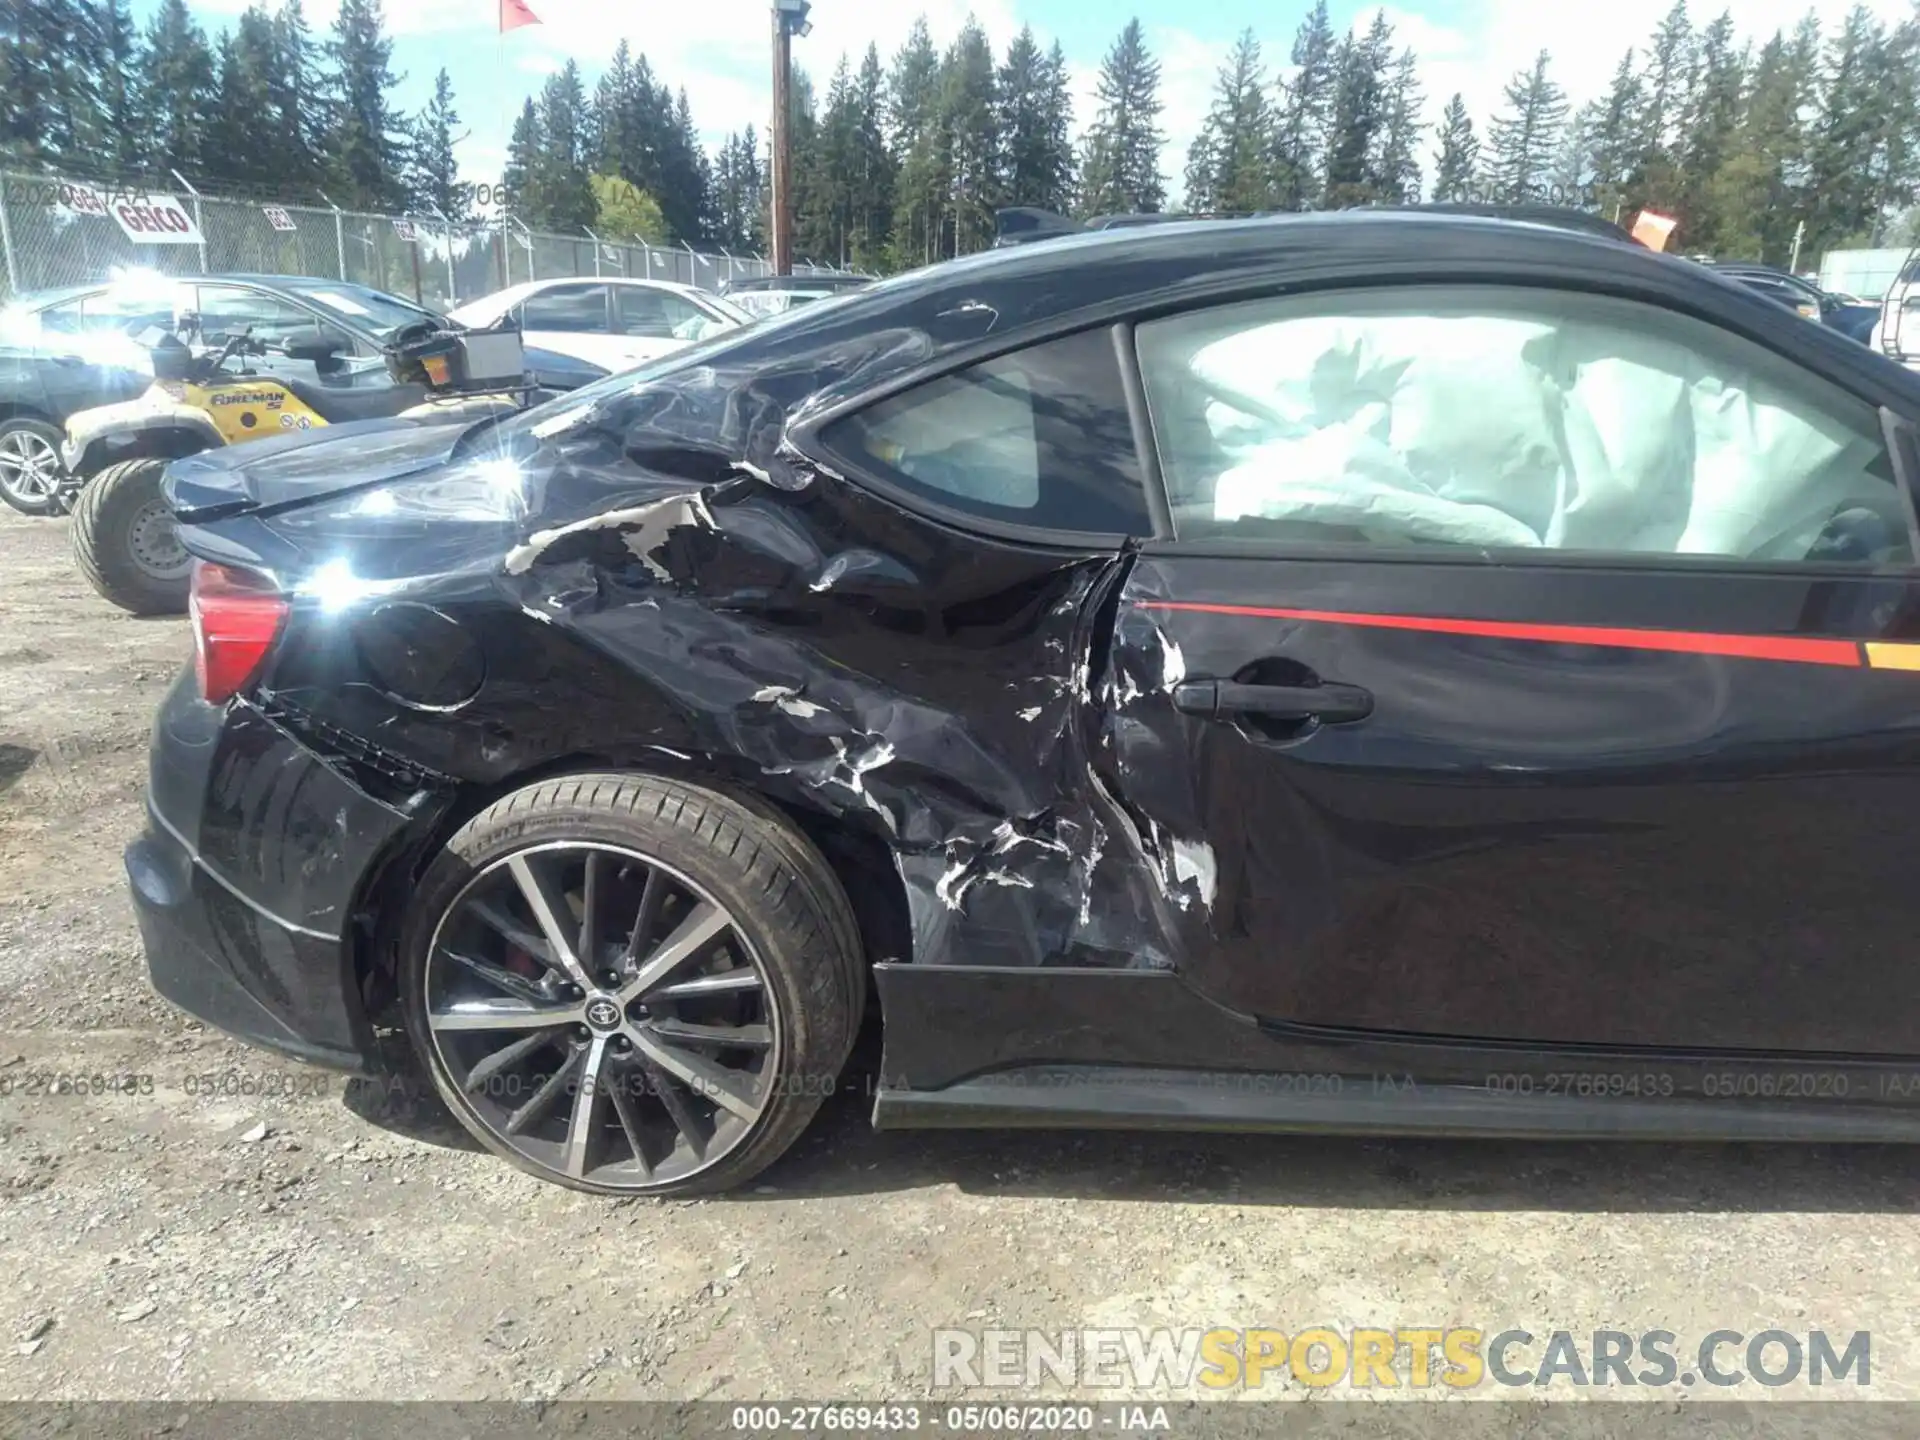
61 352
315 353
614 322
776 294
1334 673
1896 333
1851 318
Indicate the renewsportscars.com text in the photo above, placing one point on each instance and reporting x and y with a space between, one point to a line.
1415 1357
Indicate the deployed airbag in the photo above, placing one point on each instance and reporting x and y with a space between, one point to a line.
1466 425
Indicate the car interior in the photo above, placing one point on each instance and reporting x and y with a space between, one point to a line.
1487 422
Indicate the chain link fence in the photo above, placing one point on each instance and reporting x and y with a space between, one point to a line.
56 234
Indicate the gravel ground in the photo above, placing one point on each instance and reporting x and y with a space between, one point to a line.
353 1244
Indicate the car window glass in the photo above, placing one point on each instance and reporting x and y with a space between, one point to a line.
1514 420
571 309
659 314
112 312
1039 438
228 310
61 319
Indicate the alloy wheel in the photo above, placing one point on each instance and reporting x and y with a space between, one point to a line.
30 468
602 1016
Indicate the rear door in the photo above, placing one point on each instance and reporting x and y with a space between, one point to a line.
573 319
1529 665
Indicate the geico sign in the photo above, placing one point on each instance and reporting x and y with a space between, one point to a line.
155 220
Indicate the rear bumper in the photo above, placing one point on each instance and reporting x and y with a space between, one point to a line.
246 878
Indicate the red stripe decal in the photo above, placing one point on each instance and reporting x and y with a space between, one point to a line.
1691 642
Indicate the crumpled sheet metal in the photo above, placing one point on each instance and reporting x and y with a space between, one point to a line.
1005 852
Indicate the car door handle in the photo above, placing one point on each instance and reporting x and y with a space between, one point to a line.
1229 699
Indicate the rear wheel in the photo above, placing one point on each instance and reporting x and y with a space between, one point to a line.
629 985
31 474
126 543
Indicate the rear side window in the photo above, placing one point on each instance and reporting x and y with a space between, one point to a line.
1516 420
570 309
1038 438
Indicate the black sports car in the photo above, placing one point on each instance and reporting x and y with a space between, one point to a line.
1370 672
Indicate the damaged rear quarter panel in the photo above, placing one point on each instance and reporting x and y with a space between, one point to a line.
692 587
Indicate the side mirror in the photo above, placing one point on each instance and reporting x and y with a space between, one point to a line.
314 343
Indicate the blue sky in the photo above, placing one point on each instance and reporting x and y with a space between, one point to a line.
718 49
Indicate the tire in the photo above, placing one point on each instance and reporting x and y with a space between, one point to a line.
122 535
790 923
27 448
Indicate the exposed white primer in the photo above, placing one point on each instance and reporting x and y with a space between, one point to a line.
565 420
748 467
649 524
786 698
1030 714
1173 665
1193 862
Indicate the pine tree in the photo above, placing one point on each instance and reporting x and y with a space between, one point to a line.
913 114
1034 117
433 177
1359 114
524 150
686 179
1895 172
1669 89
39 79
1615 141
367 148
1458 157
1306 111
967 117
809 172
739 186
1230 165
1396 168
1712 118
179 90
247 150
562 199
872 168
111 125
823 228
1121 169
1846 134
1522 142
1570 167
299 114
616 131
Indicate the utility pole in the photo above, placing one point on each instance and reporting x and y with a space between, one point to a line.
1799 234
789 20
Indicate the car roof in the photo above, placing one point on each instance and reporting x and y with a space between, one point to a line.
1097 276
41 299
801 282
514 294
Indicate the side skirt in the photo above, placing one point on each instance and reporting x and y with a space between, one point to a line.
1135 1049
1092 1097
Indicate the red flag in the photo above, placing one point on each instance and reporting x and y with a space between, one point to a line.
514 14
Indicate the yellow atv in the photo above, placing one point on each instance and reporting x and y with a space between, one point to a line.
123 529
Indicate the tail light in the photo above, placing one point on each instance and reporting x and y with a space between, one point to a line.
236 616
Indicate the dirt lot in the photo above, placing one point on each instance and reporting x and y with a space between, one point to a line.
362 1248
